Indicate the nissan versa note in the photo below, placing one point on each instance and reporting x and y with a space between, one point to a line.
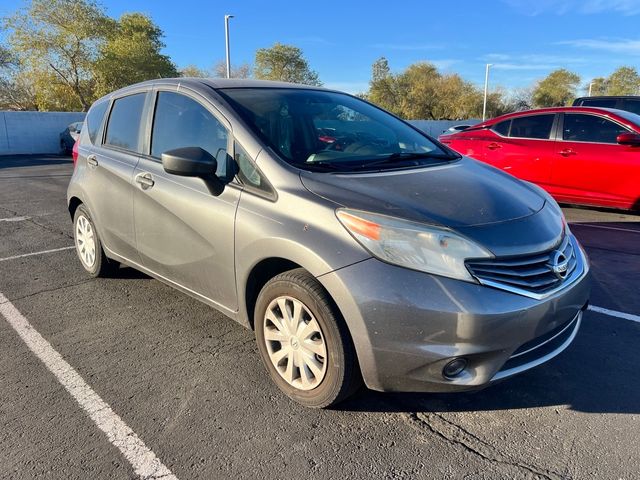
355 246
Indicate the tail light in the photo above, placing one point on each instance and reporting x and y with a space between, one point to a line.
74 153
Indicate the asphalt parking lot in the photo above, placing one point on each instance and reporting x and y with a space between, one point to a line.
190 384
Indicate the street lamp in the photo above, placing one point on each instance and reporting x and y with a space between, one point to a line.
226 37
590 87
486 89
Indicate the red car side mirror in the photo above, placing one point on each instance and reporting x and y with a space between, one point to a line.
632 139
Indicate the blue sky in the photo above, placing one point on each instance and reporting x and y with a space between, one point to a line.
524 39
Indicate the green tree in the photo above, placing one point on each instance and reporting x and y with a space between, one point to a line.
194 71
557 89
383 86
17 89
598 86
131 54
624 81
285 63
241 71
60 40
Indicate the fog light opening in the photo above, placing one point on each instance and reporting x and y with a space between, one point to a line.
454 368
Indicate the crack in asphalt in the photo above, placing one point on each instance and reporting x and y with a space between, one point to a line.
455 434
31 220
47 290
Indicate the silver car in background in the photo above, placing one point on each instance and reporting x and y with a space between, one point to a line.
356 247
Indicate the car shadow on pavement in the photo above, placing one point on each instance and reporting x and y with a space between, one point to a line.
596 374
16 161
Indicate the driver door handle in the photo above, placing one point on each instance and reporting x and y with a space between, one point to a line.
494 146
567 151
92 161
145 180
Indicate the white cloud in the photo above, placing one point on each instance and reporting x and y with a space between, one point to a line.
626 46
585 7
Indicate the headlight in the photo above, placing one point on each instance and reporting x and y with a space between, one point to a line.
412 245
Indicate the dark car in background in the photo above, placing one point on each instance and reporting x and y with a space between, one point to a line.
69 136
372 253
630 103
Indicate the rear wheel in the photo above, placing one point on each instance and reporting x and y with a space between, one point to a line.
89 247
303 341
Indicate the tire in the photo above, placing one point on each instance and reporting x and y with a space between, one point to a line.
89 247
317 367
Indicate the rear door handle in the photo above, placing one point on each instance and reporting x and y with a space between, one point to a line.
567 151
92 161
494 146
145 180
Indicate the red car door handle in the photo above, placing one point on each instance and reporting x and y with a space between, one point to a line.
567 151
494 146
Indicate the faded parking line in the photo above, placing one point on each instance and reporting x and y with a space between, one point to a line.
615 313
14 257
14 219
142 459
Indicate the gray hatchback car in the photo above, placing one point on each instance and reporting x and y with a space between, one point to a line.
355 246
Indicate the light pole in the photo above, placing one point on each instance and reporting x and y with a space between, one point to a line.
486 90
590 87
226 37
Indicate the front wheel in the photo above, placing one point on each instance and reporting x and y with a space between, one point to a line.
303 341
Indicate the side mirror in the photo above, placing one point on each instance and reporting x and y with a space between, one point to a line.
632 139
193 162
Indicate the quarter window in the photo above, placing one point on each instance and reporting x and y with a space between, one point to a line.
180 121
502 128
631 106
590 128
94 119
124 122
532 126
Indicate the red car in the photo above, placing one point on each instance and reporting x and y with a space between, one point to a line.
581 155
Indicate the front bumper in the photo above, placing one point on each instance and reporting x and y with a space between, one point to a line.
407 325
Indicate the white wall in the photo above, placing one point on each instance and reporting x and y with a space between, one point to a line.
33 132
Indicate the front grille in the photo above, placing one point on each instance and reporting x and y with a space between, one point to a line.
526 272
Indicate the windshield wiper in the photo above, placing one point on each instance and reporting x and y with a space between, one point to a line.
399 157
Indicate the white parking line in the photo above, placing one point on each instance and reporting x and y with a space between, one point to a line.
36 253
631 230
14 219
142 459
615 313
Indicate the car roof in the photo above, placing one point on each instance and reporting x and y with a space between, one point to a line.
215 83
605 97
610 111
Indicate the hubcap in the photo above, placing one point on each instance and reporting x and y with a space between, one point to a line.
85 241
295 343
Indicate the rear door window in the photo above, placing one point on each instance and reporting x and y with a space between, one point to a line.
180 121
532 126
590 128
123 129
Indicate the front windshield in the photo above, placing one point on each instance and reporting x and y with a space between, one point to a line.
313 128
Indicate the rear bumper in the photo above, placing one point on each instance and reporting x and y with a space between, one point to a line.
408 325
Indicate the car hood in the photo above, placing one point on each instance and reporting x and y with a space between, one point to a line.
460 194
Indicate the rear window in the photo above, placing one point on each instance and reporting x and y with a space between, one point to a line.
94 119
599 102
532 126
631 106
124 122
